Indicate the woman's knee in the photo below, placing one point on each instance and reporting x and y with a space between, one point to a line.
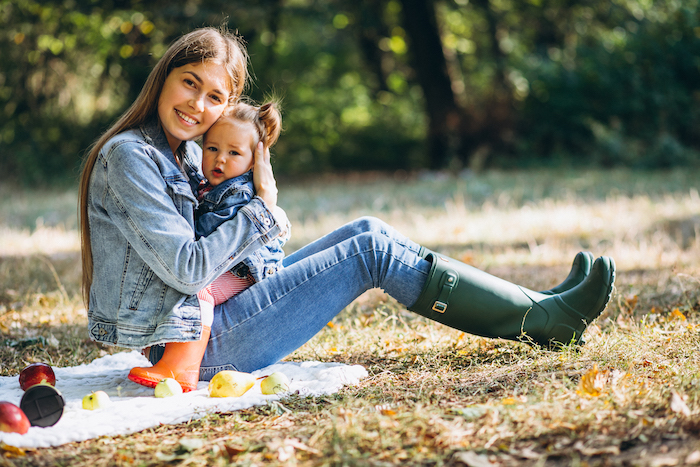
370 224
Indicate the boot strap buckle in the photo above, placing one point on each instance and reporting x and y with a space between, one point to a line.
448 283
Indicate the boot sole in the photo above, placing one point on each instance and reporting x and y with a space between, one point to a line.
149 383
608 295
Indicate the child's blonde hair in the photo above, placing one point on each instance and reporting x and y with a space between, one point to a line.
214 45
266 119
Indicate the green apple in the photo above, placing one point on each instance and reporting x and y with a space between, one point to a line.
229 383
276 382
168 387
96 400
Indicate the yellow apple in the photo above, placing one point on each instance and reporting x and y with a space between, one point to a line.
229 383
168 387
276 382
96 400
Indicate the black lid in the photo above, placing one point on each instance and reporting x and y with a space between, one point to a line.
42 404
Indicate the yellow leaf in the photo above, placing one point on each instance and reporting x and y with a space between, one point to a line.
508 401
12 451
592 383
330 325
676 313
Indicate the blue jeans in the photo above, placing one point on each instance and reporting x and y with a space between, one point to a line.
277 315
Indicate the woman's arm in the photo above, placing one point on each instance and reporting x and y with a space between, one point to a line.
143 207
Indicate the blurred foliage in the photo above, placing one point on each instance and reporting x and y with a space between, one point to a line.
534 82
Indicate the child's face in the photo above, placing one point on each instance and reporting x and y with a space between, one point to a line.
192 99
228 150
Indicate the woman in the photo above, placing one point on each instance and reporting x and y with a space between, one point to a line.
142 266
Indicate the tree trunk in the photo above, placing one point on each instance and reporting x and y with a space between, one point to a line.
445 117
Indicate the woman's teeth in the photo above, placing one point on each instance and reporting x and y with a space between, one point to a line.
189 120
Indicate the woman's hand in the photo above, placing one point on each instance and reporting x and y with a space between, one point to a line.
263 178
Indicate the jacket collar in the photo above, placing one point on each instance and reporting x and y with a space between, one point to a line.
154 135
216 194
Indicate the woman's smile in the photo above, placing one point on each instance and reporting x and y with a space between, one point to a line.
186 118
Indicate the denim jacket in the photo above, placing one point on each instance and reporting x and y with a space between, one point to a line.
221 203
147 264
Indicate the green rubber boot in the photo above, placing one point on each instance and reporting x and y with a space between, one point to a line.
579 270
473 301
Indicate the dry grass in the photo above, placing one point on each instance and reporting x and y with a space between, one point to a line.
435 396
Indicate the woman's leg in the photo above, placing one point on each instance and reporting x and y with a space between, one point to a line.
274 317
579 269
349 230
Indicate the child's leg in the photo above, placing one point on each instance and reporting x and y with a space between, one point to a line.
181 360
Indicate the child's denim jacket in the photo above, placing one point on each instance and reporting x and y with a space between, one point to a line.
147 264
223 202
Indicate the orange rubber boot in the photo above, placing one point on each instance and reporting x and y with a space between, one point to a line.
180 361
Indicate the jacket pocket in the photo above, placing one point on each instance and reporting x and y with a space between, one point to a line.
144 280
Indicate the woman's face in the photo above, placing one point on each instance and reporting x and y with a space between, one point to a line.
192 99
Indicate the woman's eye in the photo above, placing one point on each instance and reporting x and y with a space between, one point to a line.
216 98
189 82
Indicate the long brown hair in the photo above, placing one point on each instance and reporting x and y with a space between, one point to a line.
217 45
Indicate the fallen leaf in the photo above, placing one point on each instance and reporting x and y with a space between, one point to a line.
472 412
663 462
12 451
471 459
676 313
190 444
385 410
233 451
596 451
693 458
678 404
301 446
631 302
593 382
527 453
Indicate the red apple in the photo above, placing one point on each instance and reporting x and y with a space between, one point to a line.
12 419
36 373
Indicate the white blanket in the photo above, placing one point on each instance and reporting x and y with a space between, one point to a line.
134 408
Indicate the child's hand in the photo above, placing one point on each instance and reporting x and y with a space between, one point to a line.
263 178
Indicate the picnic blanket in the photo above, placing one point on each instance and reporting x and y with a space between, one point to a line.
134 408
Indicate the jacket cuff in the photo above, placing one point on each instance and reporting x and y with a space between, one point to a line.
263 219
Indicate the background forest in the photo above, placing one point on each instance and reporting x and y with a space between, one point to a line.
375 84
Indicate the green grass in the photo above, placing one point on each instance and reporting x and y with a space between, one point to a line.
435 396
